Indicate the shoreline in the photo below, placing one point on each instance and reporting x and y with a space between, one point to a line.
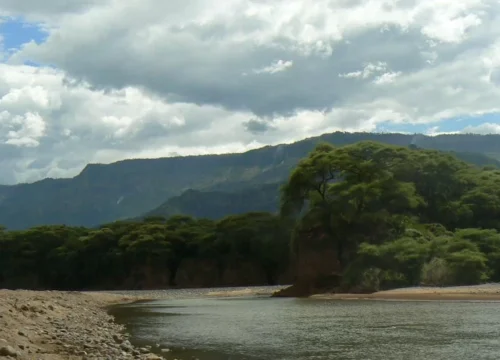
57 325
487 292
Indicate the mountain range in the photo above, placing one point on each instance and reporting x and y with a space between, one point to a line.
211 186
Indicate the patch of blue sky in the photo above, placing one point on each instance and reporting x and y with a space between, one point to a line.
458 124
445 125
15 32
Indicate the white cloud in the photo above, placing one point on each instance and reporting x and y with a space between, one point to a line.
23 130
276 67
70 124
486 128
154 78
368 70
371 70
387 78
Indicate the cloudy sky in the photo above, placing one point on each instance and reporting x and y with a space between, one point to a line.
102 80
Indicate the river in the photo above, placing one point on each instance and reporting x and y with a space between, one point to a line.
246 324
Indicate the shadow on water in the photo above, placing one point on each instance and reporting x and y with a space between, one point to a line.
174 352
134 317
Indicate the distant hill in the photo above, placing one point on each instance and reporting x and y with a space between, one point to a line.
217 204
130 188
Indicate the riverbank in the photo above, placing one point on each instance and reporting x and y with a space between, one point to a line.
59 325
487 292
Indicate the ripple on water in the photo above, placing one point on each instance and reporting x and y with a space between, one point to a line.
197 324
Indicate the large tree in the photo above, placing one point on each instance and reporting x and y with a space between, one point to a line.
351 194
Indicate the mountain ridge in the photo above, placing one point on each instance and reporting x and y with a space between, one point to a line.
128 188
416 139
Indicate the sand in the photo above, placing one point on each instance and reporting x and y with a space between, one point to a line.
487 292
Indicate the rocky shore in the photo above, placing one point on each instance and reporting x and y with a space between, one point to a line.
55 325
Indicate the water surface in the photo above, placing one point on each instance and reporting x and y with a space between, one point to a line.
197 325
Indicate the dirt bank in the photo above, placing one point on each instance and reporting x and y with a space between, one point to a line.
43 325
479 292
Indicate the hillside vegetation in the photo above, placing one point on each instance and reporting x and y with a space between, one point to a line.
131 188
250 249
218 204
395 216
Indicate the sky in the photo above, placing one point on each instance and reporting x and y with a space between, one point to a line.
96 81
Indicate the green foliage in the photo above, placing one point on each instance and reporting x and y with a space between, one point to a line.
468 267
397 216
437 272
351 193
129 254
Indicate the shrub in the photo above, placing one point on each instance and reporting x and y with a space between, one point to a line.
437 272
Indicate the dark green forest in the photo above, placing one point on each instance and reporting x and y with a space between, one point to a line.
181 251
398 216
395 215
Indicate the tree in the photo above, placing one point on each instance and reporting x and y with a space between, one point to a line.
351 194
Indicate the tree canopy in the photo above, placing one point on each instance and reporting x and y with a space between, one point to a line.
141 254
372 201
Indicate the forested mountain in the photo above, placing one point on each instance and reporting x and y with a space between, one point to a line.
131 188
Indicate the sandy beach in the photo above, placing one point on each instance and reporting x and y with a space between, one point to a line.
486 292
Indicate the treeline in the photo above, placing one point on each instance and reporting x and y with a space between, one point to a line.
249 249
398 216
392 216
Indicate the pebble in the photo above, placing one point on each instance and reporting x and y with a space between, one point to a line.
86 332
152 357
8 351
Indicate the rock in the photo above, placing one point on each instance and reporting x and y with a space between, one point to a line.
8 351
152 357
117 338
125 346
73 330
